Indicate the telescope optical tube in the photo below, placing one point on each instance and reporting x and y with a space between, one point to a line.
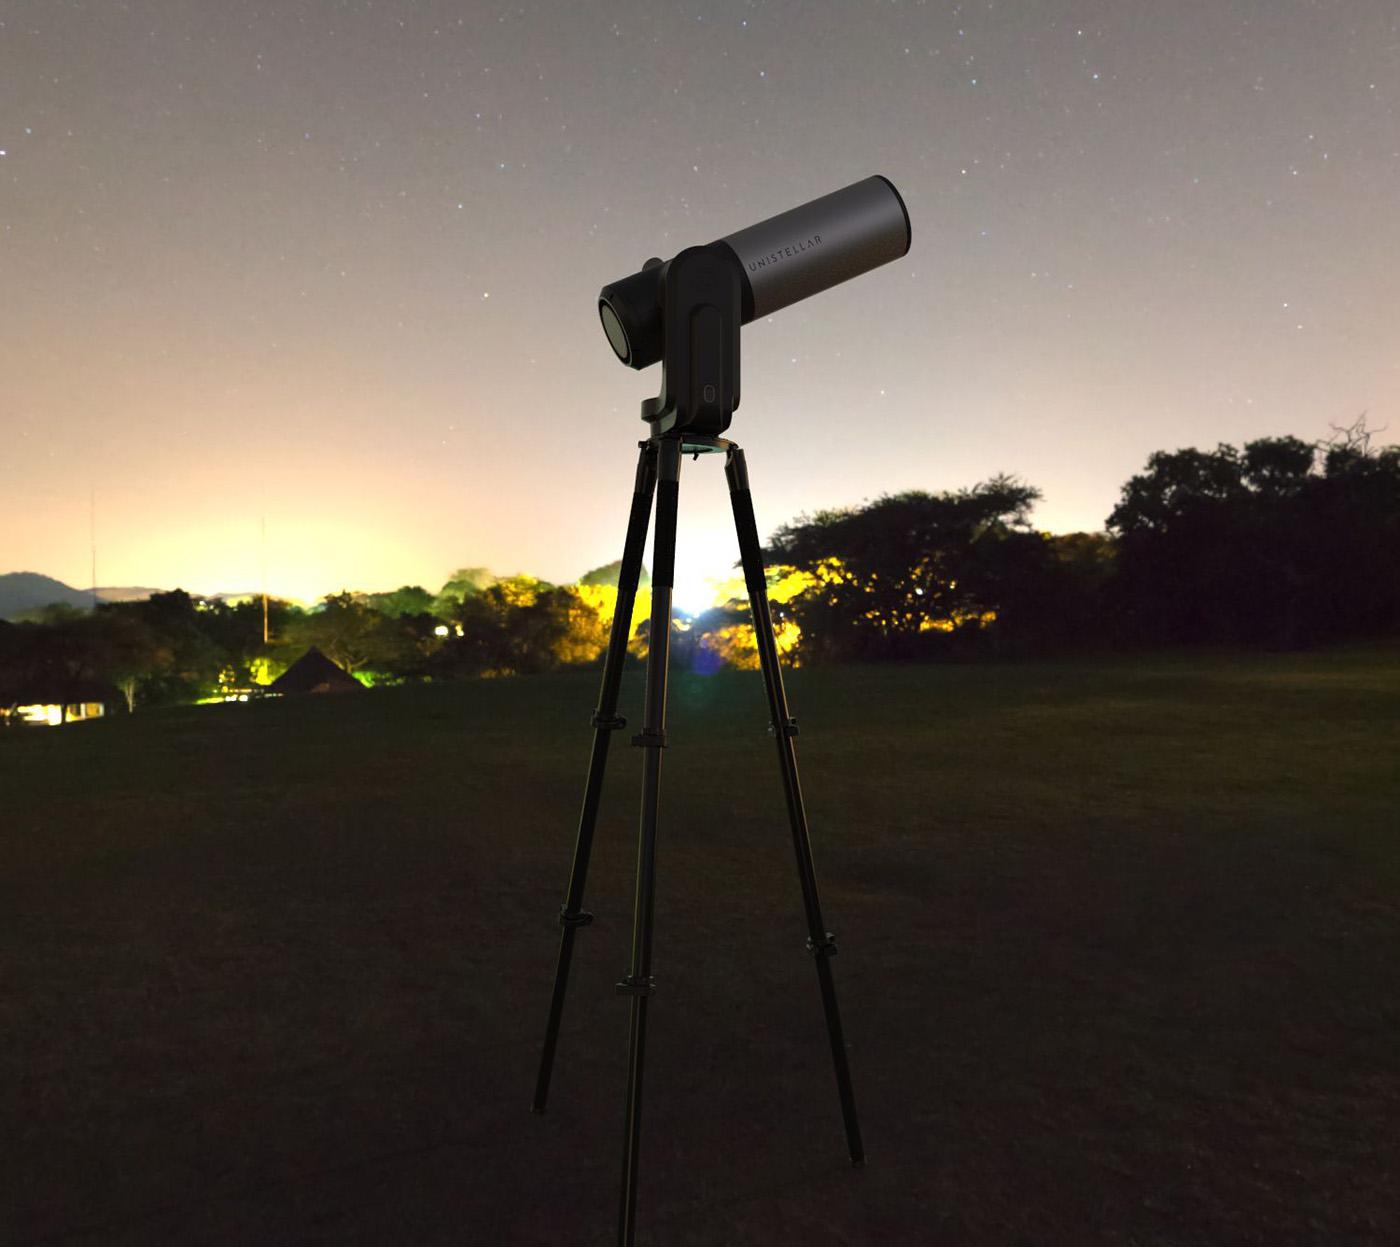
784 259
805 250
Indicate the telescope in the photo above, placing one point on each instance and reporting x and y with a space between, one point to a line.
687 311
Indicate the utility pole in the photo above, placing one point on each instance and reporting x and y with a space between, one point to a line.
264 575
92 538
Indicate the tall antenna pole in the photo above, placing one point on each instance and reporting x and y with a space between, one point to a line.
92 538
264 574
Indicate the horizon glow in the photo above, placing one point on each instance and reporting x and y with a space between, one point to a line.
340 274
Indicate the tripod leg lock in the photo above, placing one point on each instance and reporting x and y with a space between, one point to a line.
650 740
827 948
789 728
607 722
580 919
637 985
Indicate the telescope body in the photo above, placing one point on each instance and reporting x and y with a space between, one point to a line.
780 261
805 250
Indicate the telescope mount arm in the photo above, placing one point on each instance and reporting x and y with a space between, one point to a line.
702 308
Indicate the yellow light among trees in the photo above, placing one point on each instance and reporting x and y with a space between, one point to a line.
959 619
602 600
737 645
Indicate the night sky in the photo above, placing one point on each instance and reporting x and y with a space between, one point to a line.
337 264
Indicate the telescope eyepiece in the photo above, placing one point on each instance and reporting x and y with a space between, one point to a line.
617 335
630 310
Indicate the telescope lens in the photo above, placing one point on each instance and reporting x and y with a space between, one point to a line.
613 328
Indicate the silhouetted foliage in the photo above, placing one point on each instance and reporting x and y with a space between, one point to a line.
237 627
907 575
406 600
608 574
1280 543
520 626
1052 594
186 656
1276 543
357 637
464 583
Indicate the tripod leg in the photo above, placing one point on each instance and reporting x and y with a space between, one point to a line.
820 942
638 983
605 722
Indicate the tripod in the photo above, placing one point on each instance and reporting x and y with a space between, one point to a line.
658 471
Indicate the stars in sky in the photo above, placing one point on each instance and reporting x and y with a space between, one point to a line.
1106 196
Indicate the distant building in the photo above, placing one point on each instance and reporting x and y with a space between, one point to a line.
313 672
51 701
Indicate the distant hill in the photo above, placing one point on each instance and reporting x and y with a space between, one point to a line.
22 592
28 591
126 593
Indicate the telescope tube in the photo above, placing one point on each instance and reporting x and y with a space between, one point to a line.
805 250
782 260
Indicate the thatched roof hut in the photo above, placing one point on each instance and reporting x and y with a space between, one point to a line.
313 672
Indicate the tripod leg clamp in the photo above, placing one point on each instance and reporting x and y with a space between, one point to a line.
827 948
637 985
608 722
580 919
650 740
789 728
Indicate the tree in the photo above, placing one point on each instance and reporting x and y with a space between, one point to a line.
187 657
126 652
237 628
519 626
344 628
905 575
405 600
608 575
465 582
1355 526
1281 542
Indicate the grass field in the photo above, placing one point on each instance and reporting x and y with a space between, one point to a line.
1120 963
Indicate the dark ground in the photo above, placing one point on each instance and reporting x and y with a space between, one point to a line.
1120 964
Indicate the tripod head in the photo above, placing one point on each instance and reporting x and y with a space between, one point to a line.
687 312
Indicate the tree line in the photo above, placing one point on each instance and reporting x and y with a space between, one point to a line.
1278 543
